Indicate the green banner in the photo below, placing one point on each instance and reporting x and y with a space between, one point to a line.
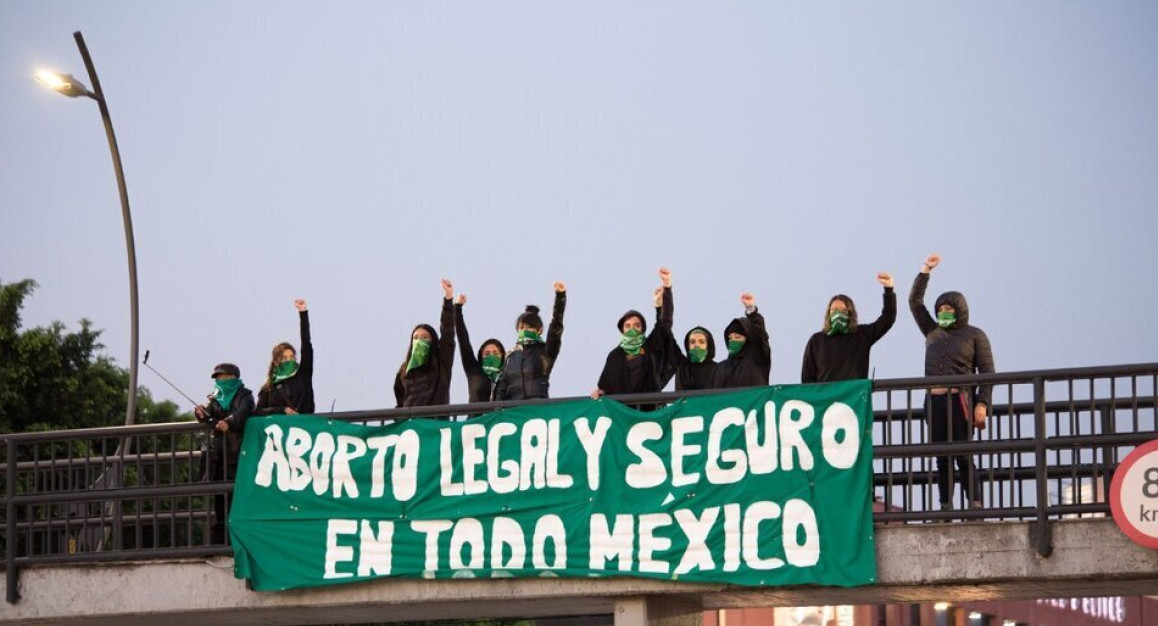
770 486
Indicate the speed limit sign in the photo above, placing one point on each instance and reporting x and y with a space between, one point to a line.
1134 495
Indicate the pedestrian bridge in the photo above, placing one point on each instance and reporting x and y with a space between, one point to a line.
108 525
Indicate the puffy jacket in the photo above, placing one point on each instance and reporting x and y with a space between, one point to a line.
480 388
429 384
829 358
527 368
959 349
297 391
752 366
646 372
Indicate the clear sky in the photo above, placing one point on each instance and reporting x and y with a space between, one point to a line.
353 154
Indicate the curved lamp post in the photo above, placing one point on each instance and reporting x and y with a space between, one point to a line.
71 87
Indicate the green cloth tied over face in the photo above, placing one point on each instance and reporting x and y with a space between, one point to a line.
945 319
697 355
284 370
528 336
735 345
837 323
632 342
226 389
419 353
492 365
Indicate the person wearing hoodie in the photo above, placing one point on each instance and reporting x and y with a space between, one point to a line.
749 362
482 370
840 351
289 384
953 347
637 364
424 377
527 371
693 366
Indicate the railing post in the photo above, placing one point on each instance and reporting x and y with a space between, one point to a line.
1044 541
12 576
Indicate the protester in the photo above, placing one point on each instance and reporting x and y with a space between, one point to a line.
953 347
749 361
289 383
482 370
527 371
694 364
227 408
840 351
424 376
637 364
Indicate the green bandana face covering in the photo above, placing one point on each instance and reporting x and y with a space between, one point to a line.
734 347
492 365
837 323
528 336
284 370
697 355
226 389
945 319
632 342
419 353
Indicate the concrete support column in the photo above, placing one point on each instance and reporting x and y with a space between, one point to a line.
659 611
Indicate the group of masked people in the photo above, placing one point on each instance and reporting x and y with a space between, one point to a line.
641 362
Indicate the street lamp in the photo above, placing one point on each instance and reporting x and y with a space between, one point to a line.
71 87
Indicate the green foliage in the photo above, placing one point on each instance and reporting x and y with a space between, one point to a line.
53 379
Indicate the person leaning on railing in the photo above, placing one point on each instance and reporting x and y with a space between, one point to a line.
953 347
229 405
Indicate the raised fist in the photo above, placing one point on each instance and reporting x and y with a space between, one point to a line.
560 287
885 279
447 289
300 305
665 276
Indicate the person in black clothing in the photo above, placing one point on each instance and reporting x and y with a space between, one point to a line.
952 347
693 366
527 371
749 361
424 376
289 384
638 363
840 351
229 405
482 371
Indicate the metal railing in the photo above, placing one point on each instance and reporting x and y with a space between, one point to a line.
1052 443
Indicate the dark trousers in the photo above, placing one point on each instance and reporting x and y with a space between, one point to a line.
951 421
218 465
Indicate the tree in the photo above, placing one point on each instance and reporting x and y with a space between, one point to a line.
53 379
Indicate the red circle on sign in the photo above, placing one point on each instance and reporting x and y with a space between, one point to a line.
1120 516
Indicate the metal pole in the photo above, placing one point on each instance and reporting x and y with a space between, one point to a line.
130 246
12 576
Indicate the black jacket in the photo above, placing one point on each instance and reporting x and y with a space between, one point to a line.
297 391
527 368
829 358
478 384
752 366
429 384
959 349
645 373
688 376
240 408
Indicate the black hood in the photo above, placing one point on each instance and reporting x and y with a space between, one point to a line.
741 325
632 313
711 342
492 342
955 299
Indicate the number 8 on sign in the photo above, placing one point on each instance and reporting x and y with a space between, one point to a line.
1134 495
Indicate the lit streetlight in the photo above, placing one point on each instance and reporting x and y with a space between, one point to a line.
71 87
